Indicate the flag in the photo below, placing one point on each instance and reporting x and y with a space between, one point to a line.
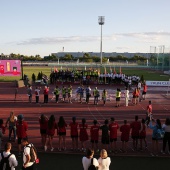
110 69
120 70
114 71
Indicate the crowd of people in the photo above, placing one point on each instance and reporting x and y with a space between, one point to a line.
87 76
66 94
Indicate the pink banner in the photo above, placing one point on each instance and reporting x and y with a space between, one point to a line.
10 67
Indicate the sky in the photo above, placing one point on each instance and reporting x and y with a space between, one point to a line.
42 27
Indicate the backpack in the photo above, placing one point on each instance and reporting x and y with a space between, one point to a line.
33 153
160 134
4 164
92 167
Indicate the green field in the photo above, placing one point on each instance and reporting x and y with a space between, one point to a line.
147 73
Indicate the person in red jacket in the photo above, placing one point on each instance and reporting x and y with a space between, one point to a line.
94 132
50 132
74 133
135 126
62 132
125 132
22 128
113 127
144 91
43 121
46 90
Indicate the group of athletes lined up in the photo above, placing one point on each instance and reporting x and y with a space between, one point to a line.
79 132
66 94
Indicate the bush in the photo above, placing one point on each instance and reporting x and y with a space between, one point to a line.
33 77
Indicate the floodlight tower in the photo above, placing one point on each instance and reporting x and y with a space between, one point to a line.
101 20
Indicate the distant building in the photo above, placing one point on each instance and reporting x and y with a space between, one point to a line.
105 54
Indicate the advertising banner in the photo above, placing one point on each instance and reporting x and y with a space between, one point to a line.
10 67
158 83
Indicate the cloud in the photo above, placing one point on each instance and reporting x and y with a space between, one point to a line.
140 37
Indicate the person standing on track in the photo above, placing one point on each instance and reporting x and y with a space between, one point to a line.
69 93
74 133
113 127
118 95
37 94
62 133
83 134
57 93
96 95
88 94
135 126
149 113
126 93
144 91
46 91
94 132
43 121
50 132
104 97
22 128
29 93
125 132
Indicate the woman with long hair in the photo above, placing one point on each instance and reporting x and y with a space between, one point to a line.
83 134
12 125
62 132
74 133
155 140
43 121
104 160
50 132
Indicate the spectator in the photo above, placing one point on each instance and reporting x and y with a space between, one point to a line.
37 94
155 142
105 134
118 95
22 128
83 134
46 91
94 132
125 132
166 137
135 126
62 132
50 132
43 121
104 160
11 157
113 127
104 97
12 125
74 133
142 135
27 164
86 161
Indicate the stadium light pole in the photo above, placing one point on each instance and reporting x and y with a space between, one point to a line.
101 20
